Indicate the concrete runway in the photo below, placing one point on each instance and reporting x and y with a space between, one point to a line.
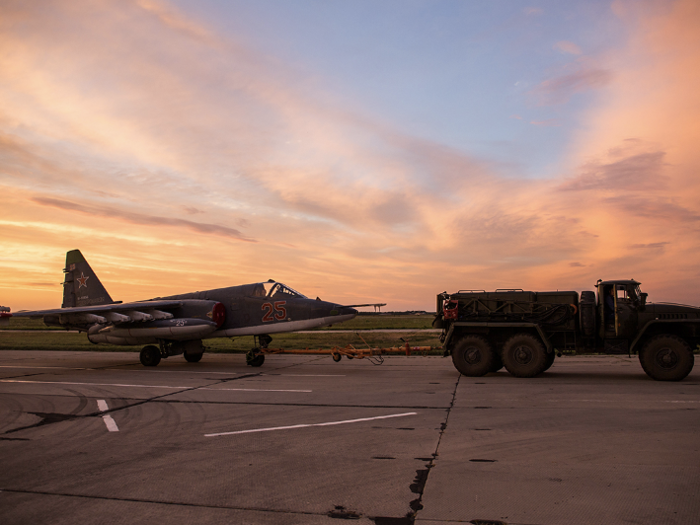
97 438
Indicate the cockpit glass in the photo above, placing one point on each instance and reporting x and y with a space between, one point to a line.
281 290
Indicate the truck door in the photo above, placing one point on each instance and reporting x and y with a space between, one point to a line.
625 312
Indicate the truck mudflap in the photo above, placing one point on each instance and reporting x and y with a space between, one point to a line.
643 331
450 332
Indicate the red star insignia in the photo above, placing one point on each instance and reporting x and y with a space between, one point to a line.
82 281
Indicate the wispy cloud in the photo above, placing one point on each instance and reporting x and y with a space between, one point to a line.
142 219
550 122
580 76
636 172
566 47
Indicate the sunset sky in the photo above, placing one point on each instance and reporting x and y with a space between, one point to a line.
360 151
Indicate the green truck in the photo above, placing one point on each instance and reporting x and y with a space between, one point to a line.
524 331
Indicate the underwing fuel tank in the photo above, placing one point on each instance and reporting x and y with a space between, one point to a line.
142 333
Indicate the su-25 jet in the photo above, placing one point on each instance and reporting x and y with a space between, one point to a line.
177 324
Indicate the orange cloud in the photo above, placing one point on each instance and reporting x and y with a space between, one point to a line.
107 142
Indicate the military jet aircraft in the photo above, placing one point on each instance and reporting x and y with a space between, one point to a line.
177 324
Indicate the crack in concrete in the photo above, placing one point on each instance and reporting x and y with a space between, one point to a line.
178 503
421 479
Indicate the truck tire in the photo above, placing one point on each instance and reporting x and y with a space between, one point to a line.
550 361
586 308
667 357
524 355
473 356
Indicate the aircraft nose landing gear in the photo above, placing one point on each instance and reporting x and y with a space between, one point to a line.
254 357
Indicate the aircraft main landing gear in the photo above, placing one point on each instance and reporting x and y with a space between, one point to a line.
150 355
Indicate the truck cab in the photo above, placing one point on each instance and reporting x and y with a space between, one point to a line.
619 304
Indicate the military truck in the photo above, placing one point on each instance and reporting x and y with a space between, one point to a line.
524 331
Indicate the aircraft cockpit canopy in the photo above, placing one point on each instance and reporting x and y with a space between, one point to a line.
277 290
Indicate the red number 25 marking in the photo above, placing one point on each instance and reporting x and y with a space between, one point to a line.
278 311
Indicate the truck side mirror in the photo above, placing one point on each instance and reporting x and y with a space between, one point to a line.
643 301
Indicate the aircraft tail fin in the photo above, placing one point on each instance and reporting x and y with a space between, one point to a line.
81 287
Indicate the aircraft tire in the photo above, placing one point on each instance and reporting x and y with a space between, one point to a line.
667 357
193 358
150 355
524 355
473 356
258 360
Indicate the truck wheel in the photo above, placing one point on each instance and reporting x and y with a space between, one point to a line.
473 356
524 355
587 311
667 358
550 361
150 355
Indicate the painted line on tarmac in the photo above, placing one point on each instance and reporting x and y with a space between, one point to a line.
618 400
167 371
304 375
253 390
328 424
91 384
148 386
118 370
46 367
109 422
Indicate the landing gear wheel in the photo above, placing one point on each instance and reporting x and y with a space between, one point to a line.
150 355
524 356
667 358
253 358
337 357
473 356
550 361
193 358
258 360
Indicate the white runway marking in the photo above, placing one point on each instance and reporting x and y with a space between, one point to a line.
150 386
119 370
253 390
307 375
328 424
109 422
168 371
91 384
45 367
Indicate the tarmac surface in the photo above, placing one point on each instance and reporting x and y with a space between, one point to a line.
89 437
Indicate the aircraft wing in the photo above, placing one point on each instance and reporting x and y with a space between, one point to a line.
361 305
140 306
